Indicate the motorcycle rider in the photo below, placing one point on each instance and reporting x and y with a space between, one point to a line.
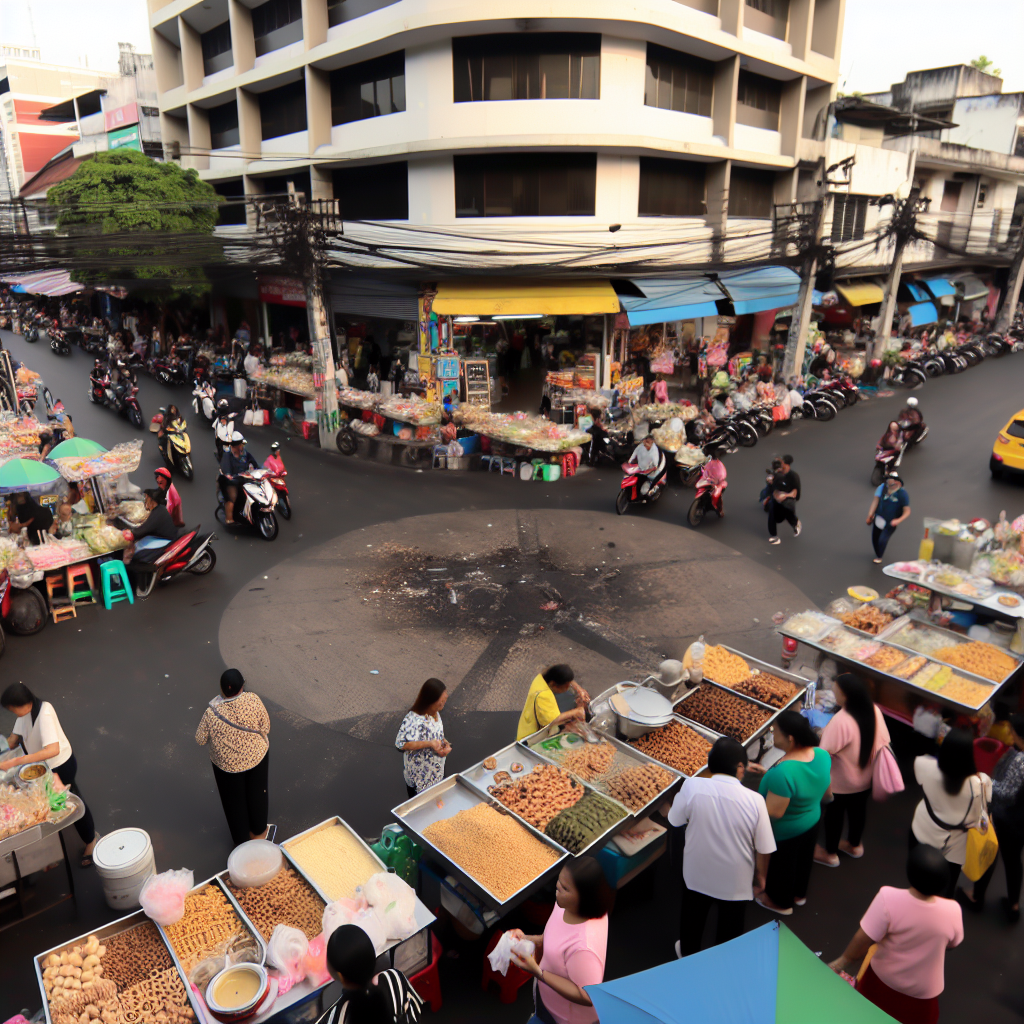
171 495
274 462
891 438
234 462
173 422
647 457
223 427
911 421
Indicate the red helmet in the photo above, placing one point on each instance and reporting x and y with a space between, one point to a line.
876 362
162 471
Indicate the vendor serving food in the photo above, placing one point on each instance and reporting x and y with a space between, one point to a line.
541 707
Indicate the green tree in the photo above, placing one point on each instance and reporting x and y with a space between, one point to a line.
982 63
126 194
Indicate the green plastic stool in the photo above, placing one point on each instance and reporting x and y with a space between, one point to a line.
114 580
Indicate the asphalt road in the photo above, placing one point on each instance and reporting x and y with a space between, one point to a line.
130 684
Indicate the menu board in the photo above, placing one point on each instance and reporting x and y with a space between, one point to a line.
478 382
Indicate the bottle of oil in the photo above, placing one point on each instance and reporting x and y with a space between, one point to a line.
927 547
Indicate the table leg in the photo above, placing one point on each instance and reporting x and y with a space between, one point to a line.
67 863
19 882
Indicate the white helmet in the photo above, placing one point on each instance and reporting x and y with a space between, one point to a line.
911 403
236 438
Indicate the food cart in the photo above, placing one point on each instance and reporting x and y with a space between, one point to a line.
400 429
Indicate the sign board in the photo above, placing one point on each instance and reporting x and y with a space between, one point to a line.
125 138
120 117
448 368
282 291
478 382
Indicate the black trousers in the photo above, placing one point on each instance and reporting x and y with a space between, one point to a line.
789 869
954 869
1011 846
244 798
84 826
853 806
779 514
694 915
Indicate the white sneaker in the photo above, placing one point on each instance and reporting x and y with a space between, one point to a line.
774 540
796 529
679 955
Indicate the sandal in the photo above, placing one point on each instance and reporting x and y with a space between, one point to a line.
86 860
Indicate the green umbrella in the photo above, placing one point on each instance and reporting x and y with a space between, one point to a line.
76 446
26 475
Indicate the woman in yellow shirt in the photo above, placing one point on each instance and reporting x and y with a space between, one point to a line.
541 708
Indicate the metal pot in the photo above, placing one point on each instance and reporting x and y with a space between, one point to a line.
220 984
648 710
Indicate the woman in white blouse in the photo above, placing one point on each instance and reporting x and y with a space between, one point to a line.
421 738
954 799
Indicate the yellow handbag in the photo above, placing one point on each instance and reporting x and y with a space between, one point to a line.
982 845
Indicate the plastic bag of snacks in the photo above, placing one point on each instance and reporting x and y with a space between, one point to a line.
394 901
501 956
163 896
357 912
287 951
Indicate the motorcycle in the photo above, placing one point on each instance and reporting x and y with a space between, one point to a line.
281 487
59 344
168 371
820 405
36 329
177 452
710 486
256 502
887 460
641 488
192 553
910 374
913 433
204 398
996 345
120 397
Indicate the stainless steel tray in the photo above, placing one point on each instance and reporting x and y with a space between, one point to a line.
537 741
480 777
326 823
764 666
43 830
708 734
680 709
456 794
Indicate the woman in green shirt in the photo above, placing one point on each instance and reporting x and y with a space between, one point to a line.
793 789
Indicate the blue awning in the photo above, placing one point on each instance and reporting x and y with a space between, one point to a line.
671 298
754 291
923 313
939 286
919 291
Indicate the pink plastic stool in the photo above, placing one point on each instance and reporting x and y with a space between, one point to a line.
510 983
427 982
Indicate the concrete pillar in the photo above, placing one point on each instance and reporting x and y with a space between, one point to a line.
791 114
314 23
199 137
717 186
318 108
250 125
191 55
321 183
723 105
801 20
166 63
243 46
730 13
253 187
174 129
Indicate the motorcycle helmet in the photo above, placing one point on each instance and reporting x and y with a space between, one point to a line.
236 438
276 446
162 471
222 406
640 431
911 403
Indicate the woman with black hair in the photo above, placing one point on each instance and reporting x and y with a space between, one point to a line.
955 795
385 998
237 728
37 731
853 737
421 738
793 789
571 953
912 929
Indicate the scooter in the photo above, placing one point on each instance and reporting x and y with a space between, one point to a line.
908 375
120 397
256 502
710 485
204 398
59 344
168 371
192 553
177 452
887 460
36 329
820 405
284 506
641 488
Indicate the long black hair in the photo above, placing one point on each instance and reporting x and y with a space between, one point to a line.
956 760
350 955
861 709
429 695
17 695
797 728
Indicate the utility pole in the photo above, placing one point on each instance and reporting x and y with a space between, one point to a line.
1013 287
800 324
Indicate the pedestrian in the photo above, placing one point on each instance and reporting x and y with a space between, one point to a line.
785 495
571 953
1008 819
953 801
853 737
237 728
421 738
889 507
541 707
793 789
366 997
912 929
39 734
728 842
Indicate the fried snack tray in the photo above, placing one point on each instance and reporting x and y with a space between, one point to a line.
709 734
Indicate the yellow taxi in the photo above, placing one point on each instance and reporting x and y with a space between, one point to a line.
1008 450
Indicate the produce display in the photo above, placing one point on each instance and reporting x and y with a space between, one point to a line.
122 458
911 666
809 625
723 712
662 412
21 808
540 795
521 429
637 787
676 745
768 689
289 378
133 511
209 928
19 437
493 848
578 826
980 658
886 658
57 552
334 859
410 410
286 899
667 439
867 619
102 538
724 667
849 645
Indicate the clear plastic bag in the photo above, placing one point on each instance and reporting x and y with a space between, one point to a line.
357 912
287 951
395 903
501 956
163 896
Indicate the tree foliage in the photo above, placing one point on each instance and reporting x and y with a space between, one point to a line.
982 63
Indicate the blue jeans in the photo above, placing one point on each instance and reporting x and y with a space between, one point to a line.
880 538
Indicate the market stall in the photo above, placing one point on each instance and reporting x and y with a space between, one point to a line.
390 428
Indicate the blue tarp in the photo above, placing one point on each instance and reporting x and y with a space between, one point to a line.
923 313
919 292
754 291
939 286
671 298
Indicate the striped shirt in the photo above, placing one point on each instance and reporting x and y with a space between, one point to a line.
405 1005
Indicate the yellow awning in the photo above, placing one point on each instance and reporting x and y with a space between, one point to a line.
499 297
860 293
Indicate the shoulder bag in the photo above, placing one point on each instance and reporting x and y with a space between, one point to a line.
982 844
944 825
236 725
886 778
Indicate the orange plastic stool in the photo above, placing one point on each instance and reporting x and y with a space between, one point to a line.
61 605
509 984
427 982
81 586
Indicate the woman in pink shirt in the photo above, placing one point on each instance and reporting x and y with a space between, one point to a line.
163 481
571 952
854 736
274 462
911 929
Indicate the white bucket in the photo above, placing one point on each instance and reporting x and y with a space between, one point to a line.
124 860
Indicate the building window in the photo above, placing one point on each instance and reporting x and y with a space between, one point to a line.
751 192
671 188
767 16
377 192
677 81
758 101
982 196
950 196
370 89
283 111
232 209
526 185
542 66
224 125
217 48
849 214
1018 149
275 24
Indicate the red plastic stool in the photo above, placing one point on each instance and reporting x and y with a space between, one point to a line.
987 752
427 982
511 983
81 586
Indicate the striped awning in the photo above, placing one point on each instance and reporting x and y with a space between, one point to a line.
44 282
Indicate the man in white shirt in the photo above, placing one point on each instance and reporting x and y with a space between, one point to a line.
728 841
646 455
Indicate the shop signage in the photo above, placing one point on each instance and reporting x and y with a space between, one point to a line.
120 117
478 382
125 138
282 291
448 368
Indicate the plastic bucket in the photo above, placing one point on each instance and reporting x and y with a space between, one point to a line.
124 860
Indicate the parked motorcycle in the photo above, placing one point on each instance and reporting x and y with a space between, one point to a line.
819 405
710 487
910 374
192 553
641 488
256 502
284 506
